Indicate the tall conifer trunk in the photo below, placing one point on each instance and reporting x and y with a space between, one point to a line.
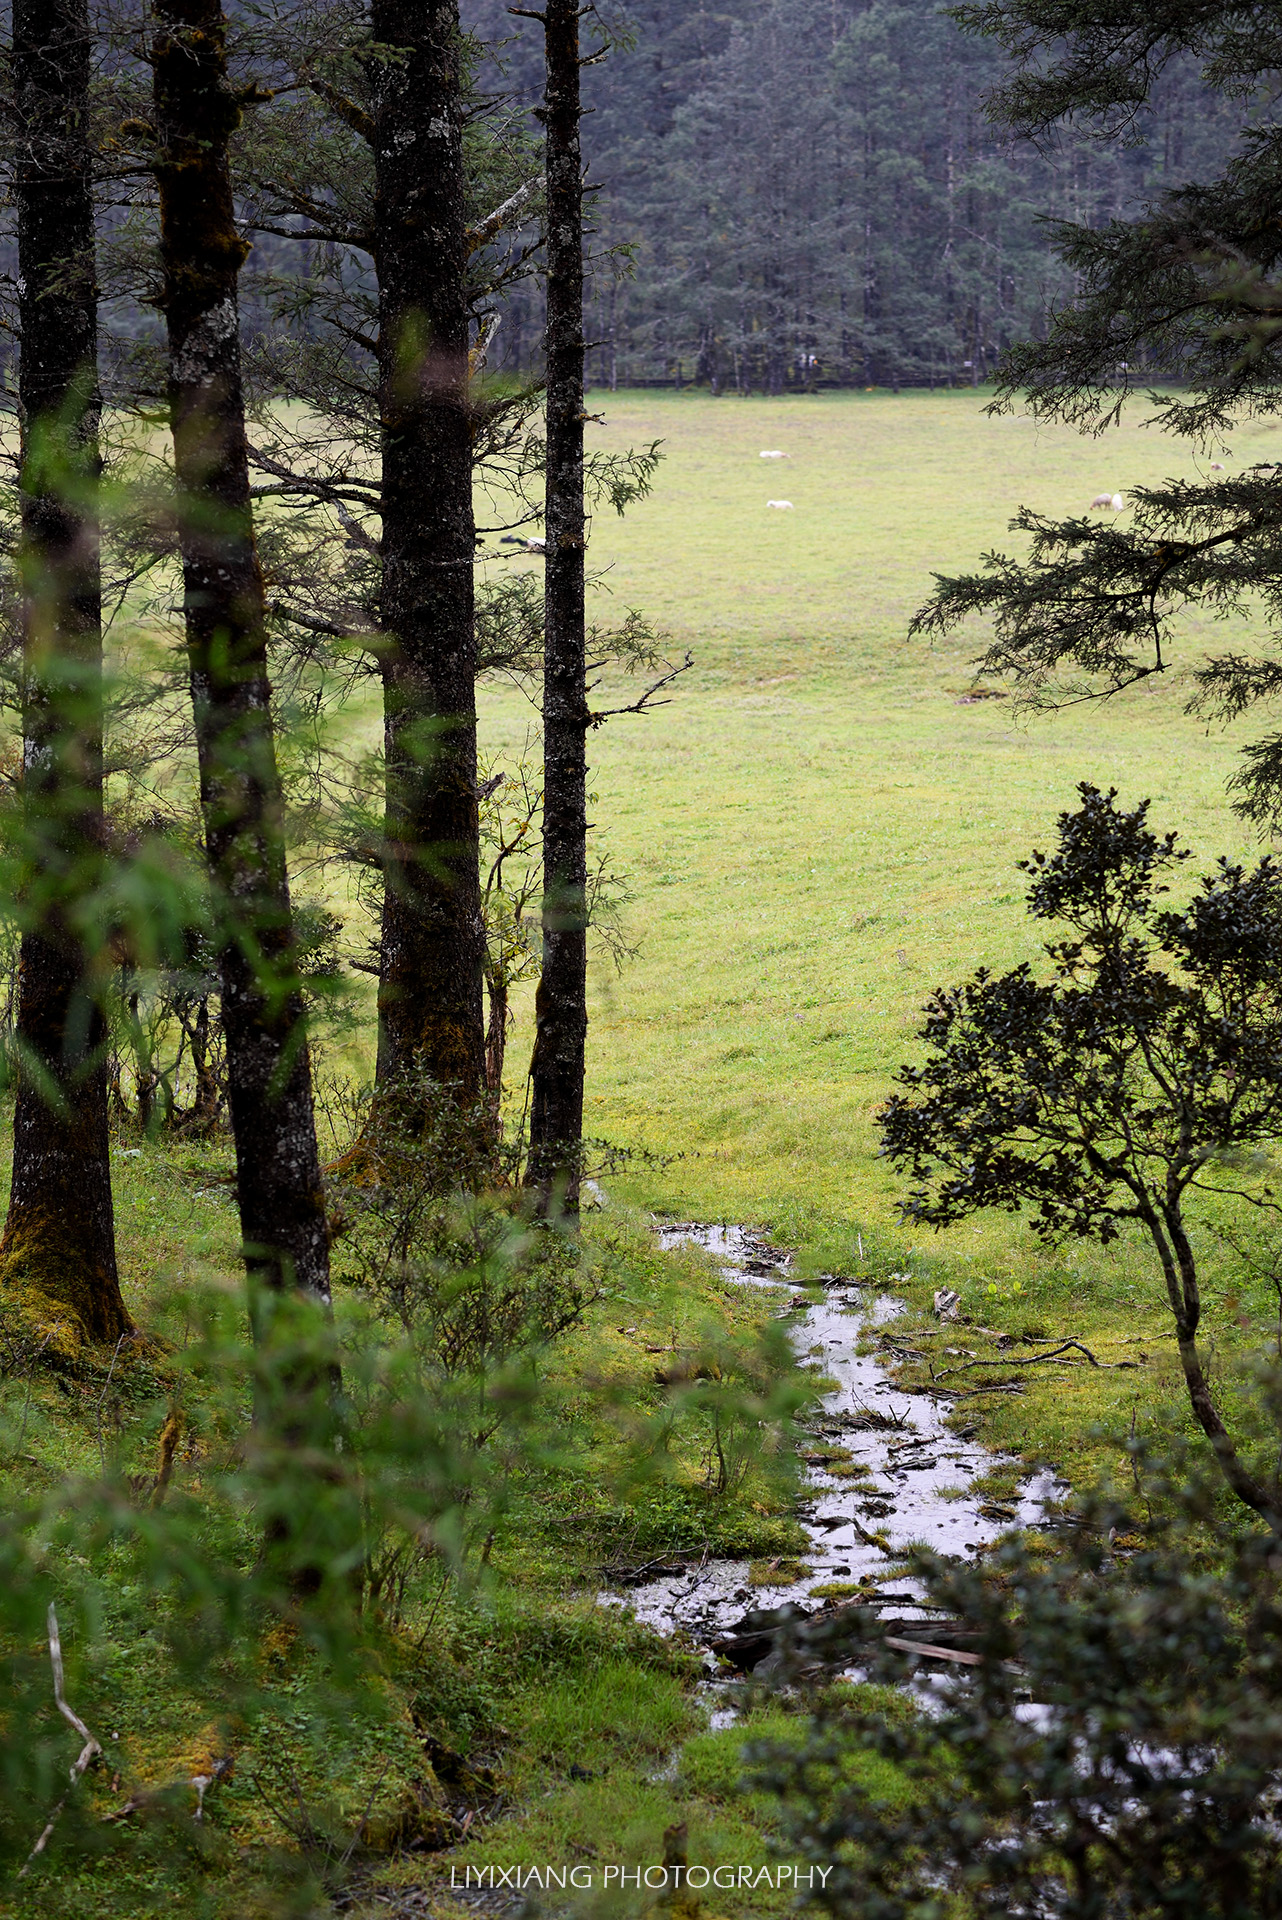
59 1238
556 1107
430 987
282 1211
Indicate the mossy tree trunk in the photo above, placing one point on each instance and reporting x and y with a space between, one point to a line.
556 1105
59 1249
282 1210
430 1000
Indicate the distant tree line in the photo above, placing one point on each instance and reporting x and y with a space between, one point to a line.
803 193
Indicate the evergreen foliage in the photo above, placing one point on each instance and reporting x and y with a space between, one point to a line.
1184 289
807 192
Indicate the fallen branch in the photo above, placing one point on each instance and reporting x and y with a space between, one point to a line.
934 1653
877 1540
624 1575
90 1752
863 1419
1031 1360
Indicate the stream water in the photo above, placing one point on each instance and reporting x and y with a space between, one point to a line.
917 1483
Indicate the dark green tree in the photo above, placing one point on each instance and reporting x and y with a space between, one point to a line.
556 1072
1186 290
380 315
805 193
1116 1090
430 987
329 347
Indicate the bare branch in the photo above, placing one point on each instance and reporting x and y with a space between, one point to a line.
90 1752
647 700
328 628
502 216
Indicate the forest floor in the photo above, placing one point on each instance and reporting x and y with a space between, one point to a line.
821 826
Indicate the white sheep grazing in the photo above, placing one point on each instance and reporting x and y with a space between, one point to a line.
780 503
775 455
1113 500
1217 466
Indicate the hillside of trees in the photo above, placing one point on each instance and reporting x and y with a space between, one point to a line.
801 193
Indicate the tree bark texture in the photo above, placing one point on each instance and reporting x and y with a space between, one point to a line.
430 1000
59 1247
282 1209
1179 1270
556 1105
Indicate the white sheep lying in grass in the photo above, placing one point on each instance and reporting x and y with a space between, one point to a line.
1113 500
774 455
780 503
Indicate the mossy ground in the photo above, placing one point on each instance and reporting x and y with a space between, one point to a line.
567 1722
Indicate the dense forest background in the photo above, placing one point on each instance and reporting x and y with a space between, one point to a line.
803 193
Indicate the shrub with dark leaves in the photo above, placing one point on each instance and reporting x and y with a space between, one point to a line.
1116 1088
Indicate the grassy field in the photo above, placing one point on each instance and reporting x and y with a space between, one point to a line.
818 829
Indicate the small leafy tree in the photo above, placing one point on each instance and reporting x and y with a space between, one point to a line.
1109 1092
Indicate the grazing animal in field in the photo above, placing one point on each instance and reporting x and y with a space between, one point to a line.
1113 500
1217 466
775 455
780 503
533 545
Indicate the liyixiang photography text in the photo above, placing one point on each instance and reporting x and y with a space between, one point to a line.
657 1878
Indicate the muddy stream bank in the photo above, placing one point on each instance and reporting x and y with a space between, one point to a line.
908 1478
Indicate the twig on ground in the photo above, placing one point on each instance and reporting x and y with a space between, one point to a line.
359 1832
90 1752
201 1782
1030 1360
970 1393
102 1451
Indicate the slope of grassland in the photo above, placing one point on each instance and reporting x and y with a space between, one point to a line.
819 828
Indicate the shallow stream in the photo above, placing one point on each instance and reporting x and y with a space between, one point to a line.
917 1480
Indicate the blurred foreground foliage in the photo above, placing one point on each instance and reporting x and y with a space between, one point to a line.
1114 1753
306 1608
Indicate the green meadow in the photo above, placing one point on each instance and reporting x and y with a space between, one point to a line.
819 827
824 824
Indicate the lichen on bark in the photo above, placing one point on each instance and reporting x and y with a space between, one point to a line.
431 1002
